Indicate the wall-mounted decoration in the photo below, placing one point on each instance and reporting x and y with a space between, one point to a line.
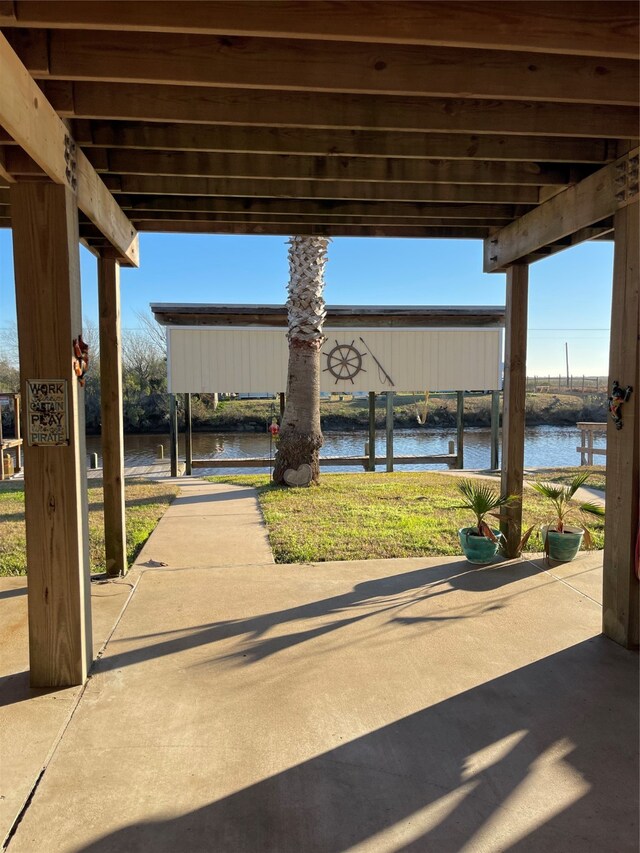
344 362
80 358
618 397
47 413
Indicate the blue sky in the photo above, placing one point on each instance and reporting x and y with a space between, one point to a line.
569 295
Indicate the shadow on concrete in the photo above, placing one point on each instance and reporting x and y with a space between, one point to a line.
12 593
541 759
392 595
15 688
239 493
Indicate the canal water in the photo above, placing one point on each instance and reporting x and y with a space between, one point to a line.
545 447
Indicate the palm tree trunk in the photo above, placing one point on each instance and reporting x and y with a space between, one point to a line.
300 436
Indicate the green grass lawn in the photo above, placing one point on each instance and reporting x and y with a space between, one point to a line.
146 503
366 516
597 475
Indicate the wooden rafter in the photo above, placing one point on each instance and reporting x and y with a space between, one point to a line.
148 102
315 207
178 226
340 142
30 119
262 63
605 29
336 190
595 198
300 167
294 221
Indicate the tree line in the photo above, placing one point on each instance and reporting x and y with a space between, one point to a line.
144 378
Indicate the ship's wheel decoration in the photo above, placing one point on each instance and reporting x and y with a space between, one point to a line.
344 362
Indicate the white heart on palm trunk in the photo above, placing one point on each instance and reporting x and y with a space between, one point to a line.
300 476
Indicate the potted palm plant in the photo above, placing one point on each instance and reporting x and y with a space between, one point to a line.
562 540
480 542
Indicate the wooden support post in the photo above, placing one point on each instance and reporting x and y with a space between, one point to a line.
389 426
188 446
460 430
372 431
495 430
620 593
18 431
515 363
283 402
115 536
173 435
47 273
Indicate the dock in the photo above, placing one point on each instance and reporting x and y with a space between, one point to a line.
346 461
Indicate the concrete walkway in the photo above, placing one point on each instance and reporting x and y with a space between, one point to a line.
388 705
206 524
209 524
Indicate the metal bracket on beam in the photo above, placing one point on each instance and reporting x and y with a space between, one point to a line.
626 179
70 160
572 213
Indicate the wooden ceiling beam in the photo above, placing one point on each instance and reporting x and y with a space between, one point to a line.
592 200
32 122
605 29
339 143
330 190
333 230
321 66
310 207
294 167
148 102
294 222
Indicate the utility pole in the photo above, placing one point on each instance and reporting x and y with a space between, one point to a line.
566 350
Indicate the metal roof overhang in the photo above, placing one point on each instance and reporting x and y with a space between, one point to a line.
418 316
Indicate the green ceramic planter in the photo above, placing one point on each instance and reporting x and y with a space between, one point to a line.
563 547
478 549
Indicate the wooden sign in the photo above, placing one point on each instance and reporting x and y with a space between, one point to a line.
47 413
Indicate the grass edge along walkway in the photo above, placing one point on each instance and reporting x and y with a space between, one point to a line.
146 501
374 516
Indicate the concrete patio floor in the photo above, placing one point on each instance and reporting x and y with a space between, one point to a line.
387 705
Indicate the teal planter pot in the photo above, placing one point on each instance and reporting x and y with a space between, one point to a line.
478 549
563 547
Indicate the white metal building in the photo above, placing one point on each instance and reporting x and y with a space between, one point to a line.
244 348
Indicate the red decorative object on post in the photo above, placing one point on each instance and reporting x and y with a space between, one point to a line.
81 358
